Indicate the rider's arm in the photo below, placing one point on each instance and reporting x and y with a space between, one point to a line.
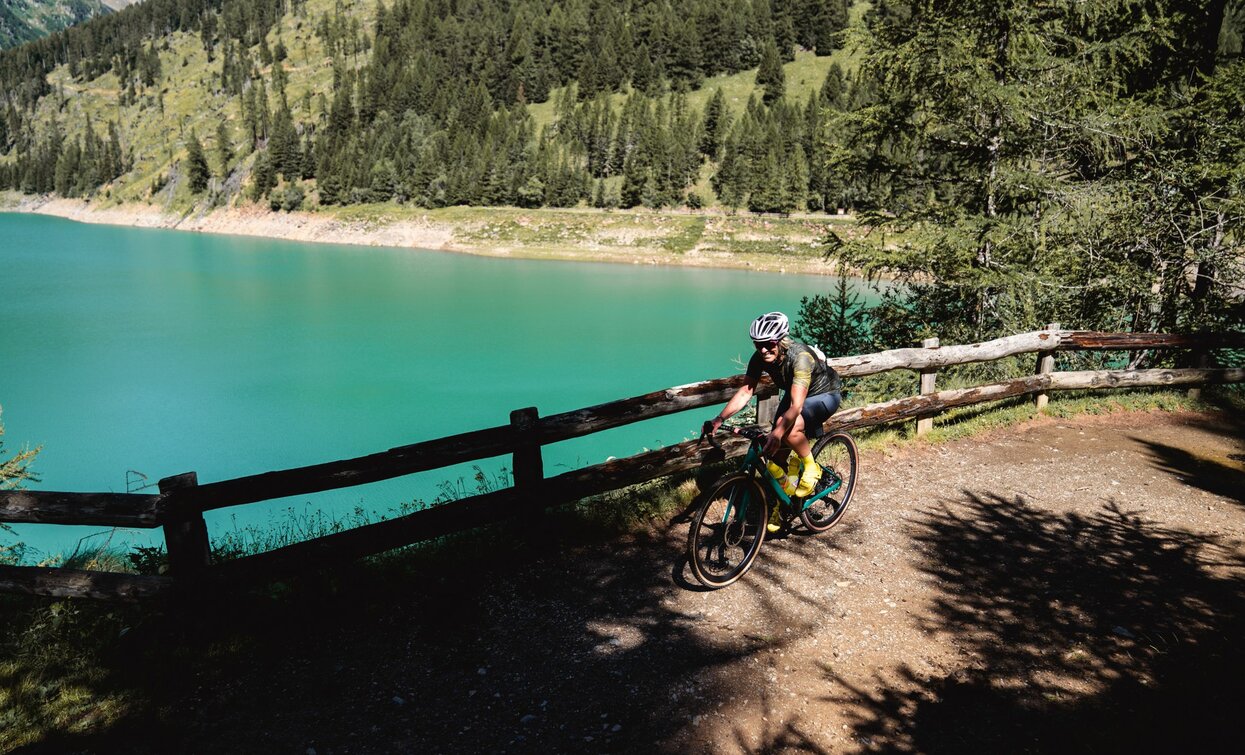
737 402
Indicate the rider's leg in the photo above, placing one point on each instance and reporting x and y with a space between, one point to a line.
798 440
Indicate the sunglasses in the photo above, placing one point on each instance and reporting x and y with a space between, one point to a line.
766 345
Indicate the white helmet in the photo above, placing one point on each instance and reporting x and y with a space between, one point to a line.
771 326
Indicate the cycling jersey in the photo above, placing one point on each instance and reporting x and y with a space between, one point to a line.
799 365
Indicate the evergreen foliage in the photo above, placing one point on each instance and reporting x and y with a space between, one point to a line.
460 75
1060 162
197 171
26 20
770 76
15 472
224 147
1023 163
838 322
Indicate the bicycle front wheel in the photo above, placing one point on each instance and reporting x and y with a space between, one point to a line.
728 531
838 457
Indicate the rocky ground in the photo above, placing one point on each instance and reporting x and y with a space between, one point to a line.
1067 585
636 237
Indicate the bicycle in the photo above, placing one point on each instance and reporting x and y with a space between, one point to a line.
729 528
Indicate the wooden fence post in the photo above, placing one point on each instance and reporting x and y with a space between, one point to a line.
767 410
529 466
1201 361
185 532
1045 366
926 422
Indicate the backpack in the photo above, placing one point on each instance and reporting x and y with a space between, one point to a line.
836 382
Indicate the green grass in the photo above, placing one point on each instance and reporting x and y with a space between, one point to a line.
741 239
157 139
804 75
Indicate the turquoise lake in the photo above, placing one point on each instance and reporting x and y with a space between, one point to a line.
128 351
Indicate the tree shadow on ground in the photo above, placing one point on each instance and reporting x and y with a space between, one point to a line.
1105 633
1213 469
525 639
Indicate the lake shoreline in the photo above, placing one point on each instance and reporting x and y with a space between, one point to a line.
682 239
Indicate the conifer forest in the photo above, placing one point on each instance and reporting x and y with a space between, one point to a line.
1012 163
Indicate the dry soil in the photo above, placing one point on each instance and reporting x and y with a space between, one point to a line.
1067 585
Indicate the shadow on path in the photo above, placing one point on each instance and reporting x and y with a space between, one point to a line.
1104 633
1212 469
571 642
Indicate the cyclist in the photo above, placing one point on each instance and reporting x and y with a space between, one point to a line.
811 393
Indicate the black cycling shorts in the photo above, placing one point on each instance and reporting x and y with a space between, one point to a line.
817 409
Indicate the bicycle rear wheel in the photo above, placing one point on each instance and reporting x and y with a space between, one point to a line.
727 531
838 457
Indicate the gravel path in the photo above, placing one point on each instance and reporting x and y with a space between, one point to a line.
1071 585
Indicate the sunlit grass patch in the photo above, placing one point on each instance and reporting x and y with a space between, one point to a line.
969 421
37 701
54 678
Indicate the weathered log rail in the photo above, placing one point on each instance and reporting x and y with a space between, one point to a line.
180 505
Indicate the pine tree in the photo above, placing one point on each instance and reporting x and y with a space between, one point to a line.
684 64
831 20
635 177
837 322
283 146
644 77
197 171
833 90
67 168
714 124
999 201
263 176
795 187
770 75
117 160
224 148
768 195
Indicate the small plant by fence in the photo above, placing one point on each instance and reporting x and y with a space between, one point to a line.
179 506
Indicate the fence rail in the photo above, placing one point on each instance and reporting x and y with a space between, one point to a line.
180 505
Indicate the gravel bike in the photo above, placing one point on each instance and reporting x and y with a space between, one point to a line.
729 528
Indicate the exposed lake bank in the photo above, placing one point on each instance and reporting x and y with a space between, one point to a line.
770 244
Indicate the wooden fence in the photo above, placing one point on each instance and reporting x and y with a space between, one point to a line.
179 506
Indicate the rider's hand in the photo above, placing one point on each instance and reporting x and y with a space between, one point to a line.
772 441
711 426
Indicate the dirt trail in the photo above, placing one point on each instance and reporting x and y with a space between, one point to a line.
1072 585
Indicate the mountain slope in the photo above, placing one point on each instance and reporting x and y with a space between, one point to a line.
207 90
24 20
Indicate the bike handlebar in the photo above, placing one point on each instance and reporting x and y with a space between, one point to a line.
751 432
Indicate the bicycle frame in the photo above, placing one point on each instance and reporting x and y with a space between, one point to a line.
754 462
731 523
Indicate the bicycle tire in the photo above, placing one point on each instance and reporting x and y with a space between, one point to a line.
838 454
728 531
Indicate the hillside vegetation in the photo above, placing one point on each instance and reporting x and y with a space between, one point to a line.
1016 165
25 20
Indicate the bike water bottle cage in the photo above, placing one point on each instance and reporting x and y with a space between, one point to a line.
771 326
